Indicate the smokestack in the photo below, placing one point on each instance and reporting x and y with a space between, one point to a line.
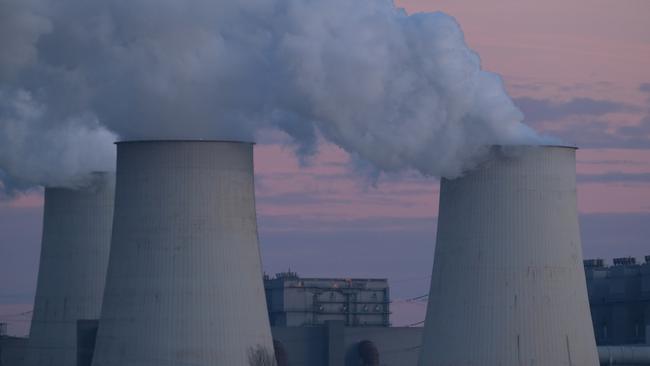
74 256
184 284
508 287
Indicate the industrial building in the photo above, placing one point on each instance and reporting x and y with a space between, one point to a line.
330 344
13 350
294 301
619 297
333 343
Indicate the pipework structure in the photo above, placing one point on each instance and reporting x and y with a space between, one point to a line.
508 285
295 301
184 284
72 271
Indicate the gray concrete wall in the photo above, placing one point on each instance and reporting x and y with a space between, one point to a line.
508 284
305 346
397 346
619 298
310 346
184 283
74 256
335 345
13 351
314 346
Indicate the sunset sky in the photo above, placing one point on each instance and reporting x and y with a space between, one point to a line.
578 69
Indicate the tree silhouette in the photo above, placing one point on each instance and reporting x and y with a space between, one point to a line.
260 356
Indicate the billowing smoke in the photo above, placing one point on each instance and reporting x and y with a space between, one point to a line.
33 149
43 139
396 90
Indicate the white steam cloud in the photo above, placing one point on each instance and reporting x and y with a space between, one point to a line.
396 90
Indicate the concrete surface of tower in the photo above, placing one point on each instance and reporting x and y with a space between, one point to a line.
508 287
72 271
184 283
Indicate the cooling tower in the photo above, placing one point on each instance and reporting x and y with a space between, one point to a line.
508 287
74 257
184 283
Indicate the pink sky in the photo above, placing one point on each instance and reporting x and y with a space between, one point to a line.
550 50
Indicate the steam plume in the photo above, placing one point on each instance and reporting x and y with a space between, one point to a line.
399 91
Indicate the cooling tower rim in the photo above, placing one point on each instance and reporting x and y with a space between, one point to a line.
143 141
92 176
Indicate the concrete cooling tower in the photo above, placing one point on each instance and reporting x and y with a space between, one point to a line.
72 273
508 287
184 283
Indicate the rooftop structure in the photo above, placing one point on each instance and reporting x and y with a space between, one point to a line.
294 301
619 297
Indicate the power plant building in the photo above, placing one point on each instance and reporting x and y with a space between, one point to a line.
72 271
294 301
619 296
517 296
184 283
335 344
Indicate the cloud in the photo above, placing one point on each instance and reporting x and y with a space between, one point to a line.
540 110
643 128
20 28
587 122
614 177
33 148
602 134
645 87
